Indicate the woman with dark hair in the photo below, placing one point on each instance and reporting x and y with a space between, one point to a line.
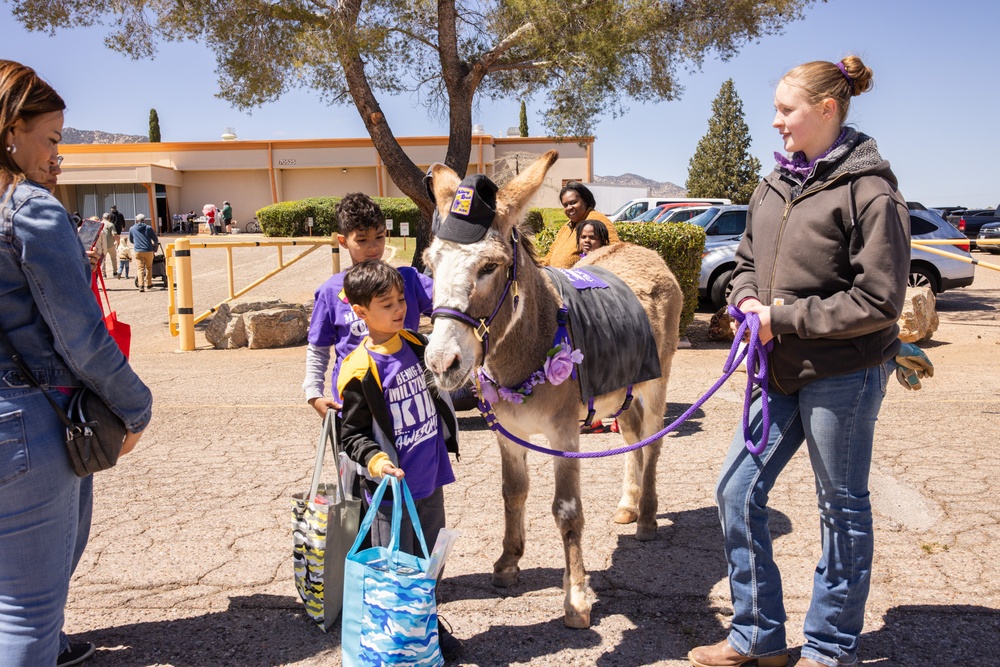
52 320
578 205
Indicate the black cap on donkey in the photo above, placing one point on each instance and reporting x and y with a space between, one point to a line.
472 211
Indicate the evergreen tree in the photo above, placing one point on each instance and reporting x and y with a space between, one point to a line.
722 165
154 127
524 120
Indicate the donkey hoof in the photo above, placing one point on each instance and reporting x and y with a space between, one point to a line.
577 619
506 578
645 533
625 516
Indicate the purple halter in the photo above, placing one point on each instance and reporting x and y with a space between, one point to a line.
481 326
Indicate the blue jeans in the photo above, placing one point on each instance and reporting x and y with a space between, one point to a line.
836 418
45 513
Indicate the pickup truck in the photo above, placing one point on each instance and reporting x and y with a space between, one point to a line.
968 222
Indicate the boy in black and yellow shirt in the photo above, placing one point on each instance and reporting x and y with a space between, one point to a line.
393 419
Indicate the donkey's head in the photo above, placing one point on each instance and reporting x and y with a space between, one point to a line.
472 258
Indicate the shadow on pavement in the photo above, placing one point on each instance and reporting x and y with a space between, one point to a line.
256 630
934 635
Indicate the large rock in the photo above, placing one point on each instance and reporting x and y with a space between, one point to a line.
276 327
919 318
226 331
228 328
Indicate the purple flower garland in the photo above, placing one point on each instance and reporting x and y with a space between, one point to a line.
558 367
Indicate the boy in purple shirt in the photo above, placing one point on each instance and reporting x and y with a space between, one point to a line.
394 420
361 231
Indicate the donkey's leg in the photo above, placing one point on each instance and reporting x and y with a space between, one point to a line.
567 508
639 498
514 469
630 423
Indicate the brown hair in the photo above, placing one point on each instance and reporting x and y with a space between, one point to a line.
23 96
821 80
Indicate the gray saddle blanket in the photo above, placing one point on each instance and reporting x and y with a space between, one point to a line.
606 323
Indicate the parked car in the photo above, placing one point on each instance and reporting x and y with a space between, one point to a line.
633 208
926 269
969 222
682 214
722 221
989 232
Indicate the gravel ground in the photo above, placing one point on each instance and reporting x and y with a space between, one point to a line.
189 561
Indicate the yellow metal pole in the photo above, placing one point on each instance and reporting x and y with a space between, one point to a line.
229 270
281 262
185 297
952 255
168 252
335 249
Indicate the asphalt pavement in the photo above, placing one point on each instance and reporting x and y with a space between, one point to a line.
189 562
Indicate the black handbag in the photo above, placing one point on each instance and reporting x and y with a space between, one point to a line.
94 434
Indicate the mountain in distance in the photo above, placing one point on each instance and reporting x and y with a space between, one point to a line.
656 188
72 135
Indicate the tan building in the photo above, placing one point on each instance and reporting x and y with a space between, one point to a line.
175 178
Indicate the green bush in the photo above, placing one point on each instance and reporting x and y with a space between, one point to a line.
289 218
679 244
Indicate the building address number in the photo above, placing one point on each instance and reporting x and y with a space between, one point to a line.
286 162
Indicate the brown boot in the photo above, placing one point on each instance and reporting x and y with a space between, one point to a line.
724 655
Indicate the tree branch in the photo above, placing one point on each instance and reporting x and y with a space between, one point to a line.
521 66
490 57
415 37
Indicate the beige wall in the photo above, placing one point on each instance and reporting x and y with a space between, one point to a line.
198 173
247 191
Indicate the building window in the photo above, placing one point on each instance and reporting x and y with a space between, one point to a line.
130 198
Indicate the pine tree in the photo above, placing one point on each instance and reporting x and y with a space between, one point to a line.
524 120
154 127
722 165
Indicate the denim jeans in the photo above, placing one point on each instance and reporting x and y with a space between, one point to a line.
45 513
835 417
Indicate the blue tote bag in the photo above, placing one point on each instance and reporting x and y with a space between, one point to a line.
390 604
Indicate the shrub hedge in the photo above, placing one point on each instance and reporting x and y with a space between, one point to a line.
289 218
679 244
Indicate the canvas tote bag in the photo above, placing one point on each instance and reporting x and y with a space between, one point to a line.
390 603
322 534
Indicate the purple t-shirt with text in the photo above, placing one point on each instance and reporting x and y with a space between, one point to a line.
423 454
334 324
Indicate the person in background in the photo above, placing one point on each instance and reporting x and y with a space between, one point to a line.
144 241
823 264
227 217
110 243
209 211
578 204
124 256
118 220
52 319
591 235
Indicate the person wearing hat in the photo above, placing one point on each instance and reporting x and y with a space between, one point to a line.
144 242
227 217
578 204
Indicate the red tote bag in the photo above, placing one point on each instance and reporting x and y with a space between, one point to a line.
121 332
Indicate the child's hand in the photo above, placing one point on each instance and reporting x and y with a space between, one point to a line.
322 404
389 469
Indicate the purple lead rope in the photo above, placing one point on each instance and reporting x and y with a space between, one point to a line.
755 354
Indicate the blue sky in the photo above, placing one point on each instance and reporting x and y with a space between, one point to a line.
933 110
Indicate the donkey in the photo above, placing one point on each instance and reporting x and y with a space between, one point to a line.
471 278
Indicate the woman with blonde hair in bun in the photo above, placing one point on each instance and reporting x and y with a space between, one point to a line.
824 264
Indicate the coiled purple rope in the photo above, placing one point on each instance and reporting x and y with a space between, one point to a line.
755 354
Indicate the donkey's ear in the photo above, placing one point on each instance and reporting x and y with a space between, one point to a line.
442 184
514 198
